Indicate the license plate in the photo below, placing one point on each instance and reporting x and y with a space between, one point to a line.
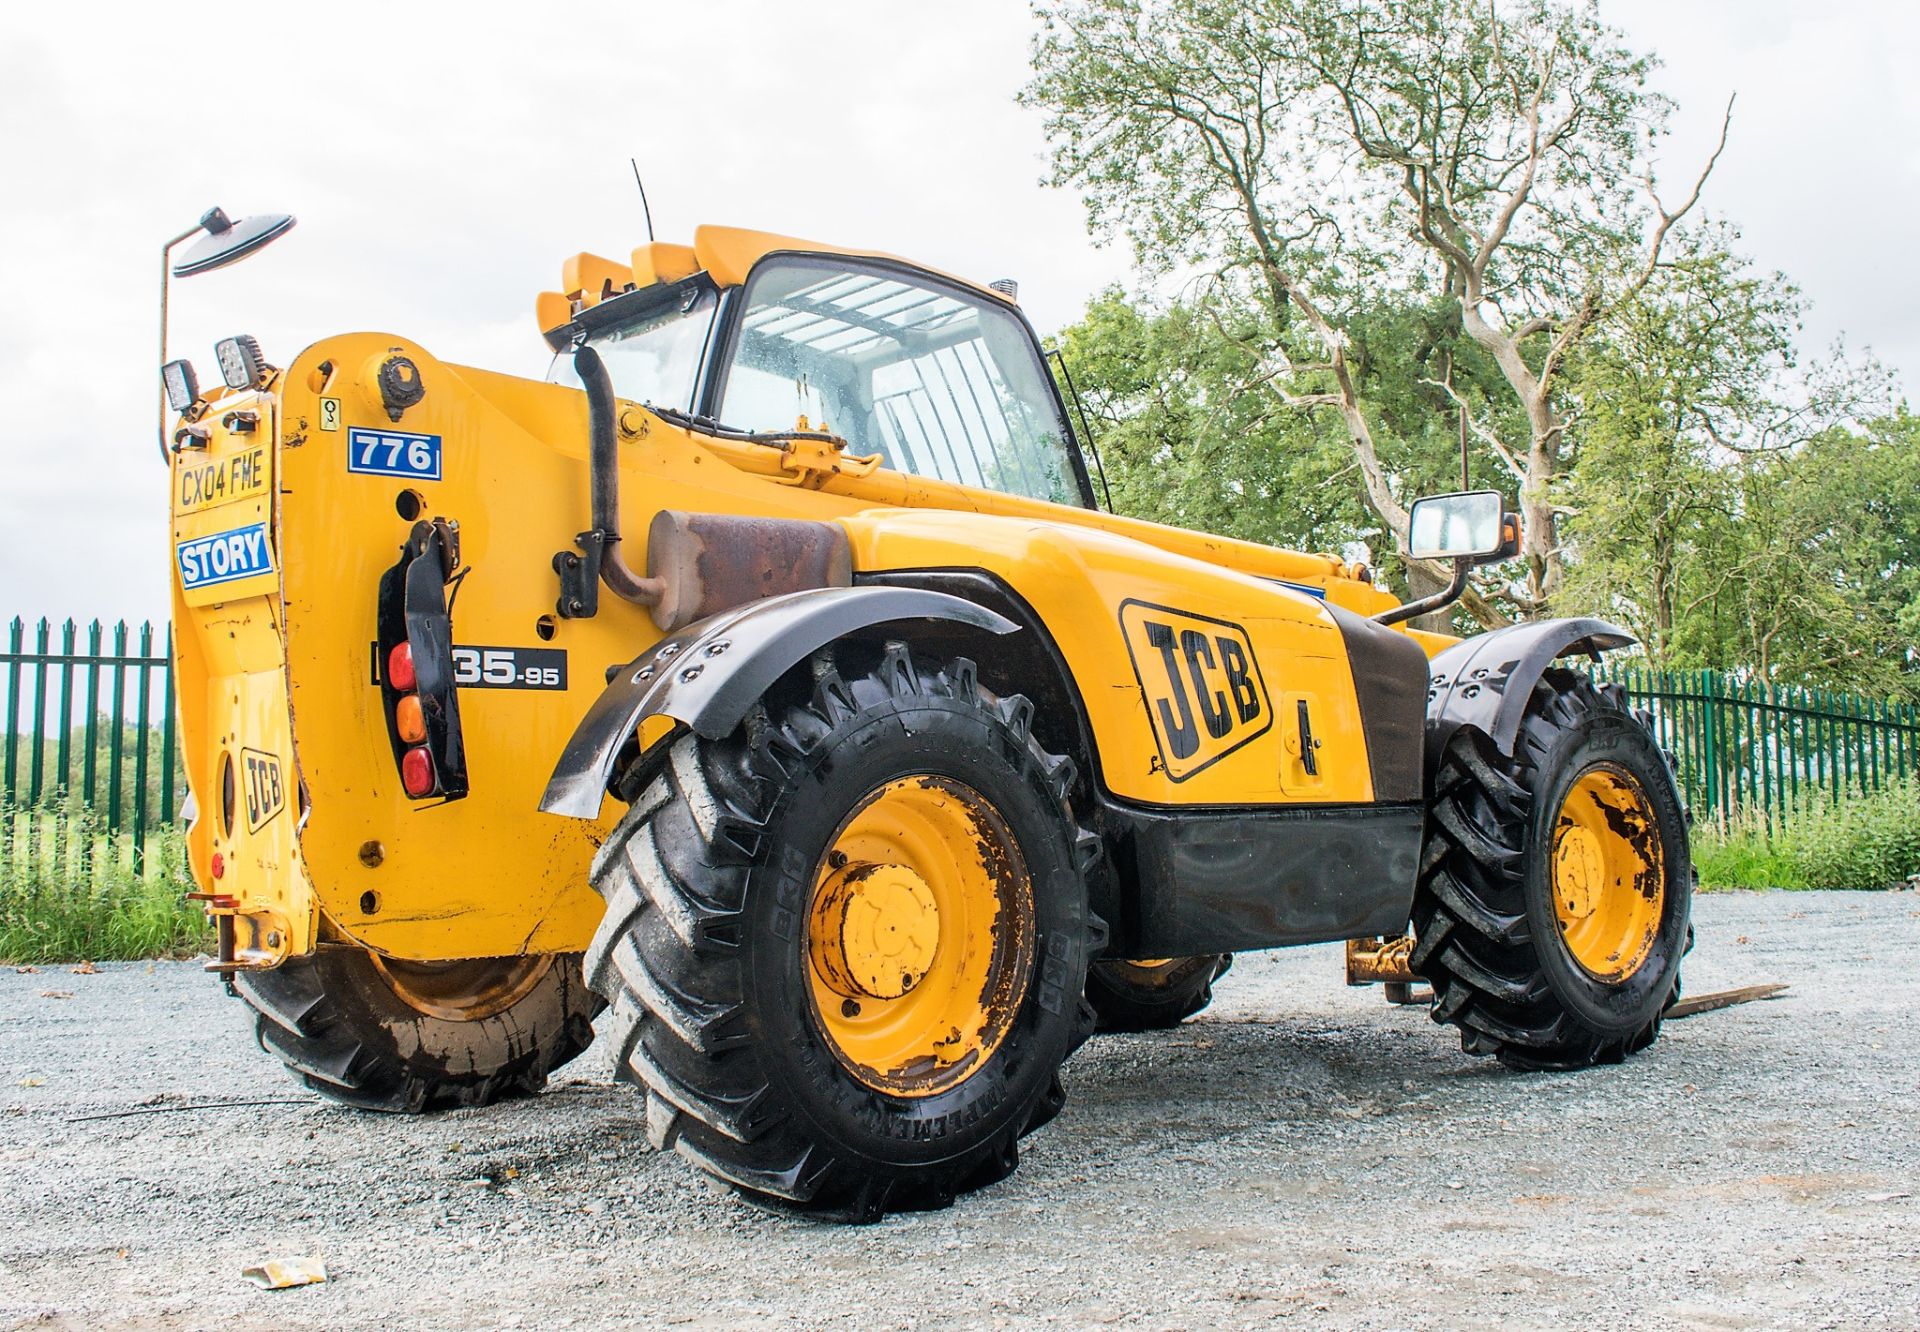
201 485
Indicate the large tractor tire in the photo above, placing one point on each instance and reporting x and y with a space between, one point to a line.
1555 888
846 946
1154 994
381 1034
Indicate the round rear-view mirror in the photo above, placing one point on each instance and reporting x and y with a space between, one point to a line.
229 242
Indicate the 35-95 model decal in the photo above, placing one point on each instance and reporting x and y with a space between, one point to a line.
393 453
224 557
509 668
479 667
1204 693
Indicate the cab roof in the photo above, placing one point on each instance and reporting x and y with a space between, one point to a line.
725 254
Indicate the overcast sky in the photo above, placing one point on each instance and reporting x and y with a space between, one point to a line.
444 160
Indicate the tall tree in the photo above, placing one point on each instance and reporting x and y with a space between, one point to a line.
1691 378
1319 156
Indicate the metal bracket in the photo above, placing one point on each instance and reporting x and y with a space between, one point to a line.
811 459
580 577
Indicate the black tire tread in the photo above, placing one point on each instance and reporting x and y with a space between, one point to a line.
1473 943
674 875
326 1039
1122 1004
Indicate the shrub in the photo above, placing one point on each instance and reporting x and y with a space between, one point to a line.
68 893
1861 841
1869 841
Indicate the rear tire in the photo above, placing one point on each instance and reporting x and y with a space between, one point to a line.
1141 996
1556 886
384 1036
711 955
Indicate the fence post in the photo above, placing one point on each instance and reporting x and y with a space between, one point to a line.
1709 742
168 721
16 636
43 640
116 740
91 763
141 716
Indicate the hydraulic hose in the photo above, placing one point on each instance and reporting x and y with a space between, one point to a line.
603 465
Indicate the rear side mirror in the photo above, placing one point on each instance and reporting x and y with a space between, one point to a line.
228 242
1464 526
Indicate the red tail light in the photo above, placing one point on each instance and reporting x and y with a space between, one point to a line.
400 667
416 772
217 866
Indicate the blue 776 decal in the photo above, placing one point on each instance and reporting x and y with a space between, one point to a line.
393 453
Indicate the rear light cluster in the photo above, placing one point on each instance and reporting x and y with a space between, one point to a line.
410 721
413 660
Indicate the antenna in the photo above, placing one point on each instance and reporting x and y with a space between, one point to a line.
643 197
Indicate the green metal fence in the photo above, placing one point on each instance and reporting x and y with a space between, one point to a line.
90 733
1747 749
90 740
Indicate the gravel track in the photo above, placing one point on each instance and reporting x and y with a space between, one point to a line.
1302 1153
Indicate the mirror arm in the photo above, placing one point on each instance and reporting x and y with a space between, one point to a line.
1446 596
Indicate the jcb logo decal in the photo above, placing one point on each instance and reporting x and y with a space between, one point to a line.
265 794
1203 690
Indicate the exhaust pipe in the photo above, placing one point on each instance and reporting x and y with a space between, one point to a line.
604 472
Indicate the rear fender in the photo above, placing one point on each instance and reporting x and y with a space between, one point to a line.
708 675
1485 681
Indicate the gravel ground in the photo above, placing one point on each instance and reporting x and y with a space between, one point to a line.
1303 1153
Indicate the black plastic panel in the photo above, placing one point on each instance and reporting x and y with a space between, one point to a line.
1224 880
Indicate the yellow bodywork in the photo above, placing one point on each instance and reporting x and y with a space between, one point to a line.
279 664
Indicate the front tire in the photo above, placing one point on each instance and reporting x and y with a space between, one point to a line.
381 1034
846 946
1556 886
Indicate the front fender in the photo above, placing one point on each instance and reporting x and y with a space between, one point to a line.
709 674
1485 681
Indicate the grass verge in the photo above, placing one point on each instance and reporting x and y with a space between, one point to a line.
68 893
1859 841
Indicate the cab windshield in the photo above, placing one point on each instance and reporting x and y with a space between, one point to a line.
935 380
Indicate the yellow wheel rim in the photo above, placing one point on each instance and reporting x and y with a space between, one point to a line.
1608 873
920 936
463 991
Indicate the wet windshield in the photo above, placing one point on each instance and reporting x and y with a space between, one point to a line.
654 357
935 380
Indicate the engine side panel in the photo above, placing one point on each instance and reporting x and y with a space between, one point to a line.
1197 680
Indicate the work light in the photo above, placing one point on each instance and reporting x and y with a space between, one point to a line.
183 386
241 363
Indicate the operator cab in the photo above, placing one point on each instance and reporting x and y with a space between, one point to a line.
936 377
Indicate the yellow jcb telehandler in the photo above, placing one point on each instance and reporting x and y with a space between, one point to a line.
772 679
